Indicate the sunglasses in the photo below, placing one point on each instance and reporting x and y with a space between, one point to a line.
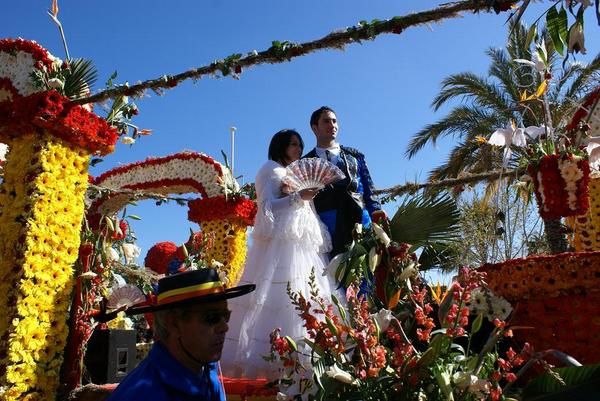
214 317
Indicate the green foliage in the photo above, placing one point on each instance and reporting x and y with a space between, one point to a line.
579 383
79 78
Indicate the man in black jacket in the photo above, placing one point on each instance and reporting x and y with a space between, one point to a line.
347 202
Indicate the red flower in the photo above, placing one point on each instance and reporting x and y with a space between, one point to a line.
159 256
221 208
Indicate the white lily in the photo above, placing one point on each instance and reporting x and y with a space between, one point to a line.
534 132
131 252
383 318
537 62
374 259
112 255
333 265
56 83
408 271
511 135
381 234
340 375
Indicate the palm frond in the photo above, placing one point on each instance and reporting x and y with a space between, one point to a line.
422 220
441 256
461 121
79 78
475 89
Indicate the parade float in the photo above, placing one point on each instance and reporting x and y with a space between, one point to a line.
57 251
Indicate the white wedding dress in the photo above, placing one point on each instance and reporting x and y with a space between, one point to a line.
288 240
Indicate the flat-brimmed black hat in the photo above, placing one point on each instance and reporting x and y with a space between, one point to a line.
191 287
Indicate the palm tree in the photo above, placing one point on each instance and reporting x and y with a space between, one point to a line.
490 103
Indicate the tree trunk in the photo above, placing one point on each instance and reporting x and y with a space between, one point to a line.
555 236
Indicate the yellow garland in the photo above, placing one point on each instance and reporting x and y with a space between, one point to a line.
587 227
41 207
229 246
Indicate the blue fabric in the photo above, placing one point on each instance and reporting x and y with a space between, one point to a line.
160 377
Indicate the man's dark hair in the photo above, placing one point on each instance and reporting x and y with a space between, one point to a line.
279 143
314 118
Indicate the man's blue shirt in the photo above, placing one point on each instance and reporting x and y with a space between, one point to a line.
160 377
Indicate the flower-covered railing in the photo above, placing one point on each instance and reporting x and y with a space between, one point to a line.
557 297
41 209
221 210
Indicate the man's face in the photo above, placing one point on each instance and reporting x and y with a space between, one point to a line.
202 332
326 128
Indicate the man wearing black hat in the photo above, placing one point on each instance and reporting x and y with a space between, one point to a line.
190 322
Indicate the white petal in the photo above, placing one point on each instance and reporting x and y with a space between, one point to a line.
500 137
519 138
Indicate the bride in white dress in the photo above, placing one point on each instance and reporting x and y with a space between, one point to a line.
288 240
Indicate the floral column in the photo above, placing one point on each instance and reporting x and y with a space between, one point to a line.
41 208
227 218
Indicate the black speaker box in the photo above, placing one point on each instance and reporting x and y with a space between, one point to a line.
110 355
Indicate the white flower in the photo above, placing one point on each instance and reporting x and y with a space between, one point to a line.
383 318
333 265
381 234
340 375
593 150
88 275
537 62
374 259
3 152
408 271
215 264
358 228
127 140
533 132
56 83
223 277
511 135
131 252
464 379
112 255
501 308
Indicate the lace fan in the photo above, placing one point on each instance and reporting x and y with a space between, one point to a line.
310 173
126 295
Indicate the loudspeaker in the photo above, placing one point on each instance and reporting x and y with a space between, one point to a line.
110 355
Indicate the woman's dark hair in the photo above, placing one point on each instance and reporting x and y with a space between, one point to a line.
280 142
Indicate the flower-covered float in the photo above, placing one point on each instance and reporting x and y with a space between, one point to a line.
41 209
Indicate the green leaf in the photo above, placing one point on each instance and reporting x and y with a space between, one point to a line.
422 219
477 323
554 24
291 343
134 217
80 77
531 35
581 383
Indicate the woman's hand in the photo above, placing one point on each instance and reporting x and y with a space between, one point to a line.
308 193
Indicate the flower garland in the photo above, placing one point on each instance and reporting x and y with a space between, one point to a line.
561 184
58 116
222 208
41 207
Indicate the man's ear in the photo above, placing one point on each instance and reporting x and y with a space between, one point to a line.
173 323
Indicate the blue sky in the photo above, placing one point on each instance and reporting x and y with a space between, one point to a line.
381 90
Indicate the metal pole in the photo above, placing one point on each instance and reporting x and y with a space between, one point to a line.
232 130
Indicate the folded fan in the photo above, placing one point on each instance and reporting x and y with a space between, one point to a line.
126 295
310 173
